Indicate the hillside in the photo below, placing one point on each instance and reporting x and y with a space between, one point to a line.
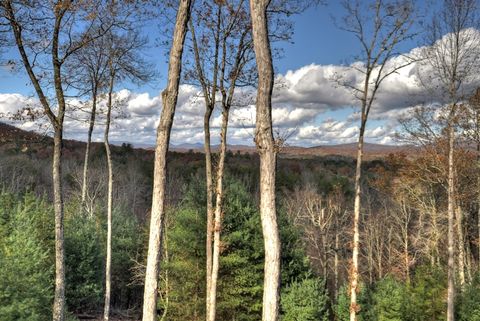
371 151
27 139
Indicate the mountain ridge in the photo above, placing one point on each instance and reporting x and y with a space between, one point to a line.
10 133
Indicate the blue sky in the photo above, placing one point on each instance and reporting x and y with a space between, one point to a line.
318 48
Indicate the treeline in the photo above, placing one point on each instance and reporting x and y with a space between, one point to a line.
403 262
399 230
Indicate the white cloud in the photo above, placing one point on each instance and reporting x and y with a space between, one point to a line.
308 102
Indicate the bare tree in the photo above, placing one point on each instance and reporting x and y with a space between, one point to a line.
470 125
124 62
89 65
46 35
380 27
169 101
231 51
451 57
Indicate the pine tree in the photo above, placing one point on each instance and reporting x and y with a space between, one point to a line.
25 260
305 300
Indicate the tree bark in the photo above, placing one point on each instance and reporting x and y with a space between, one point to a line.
210 214
267 152
108 264
478 205
169 101
406 254
218 217
354 307
210 99
451 237
89 141
59 298
461 247
336 261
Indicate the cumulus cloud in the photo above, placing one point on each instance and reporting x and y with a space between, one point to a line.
310 103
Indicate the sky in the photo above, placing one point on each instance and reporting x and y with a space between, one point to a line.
308 106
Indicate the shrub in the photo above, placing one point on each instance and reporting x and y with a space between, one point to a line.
305 300
468 304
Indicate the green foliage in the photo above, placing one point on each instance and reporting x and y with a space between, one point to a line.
427 296
388 300
342 306
84 262
240 288
468 305
127 242
184 267
85 247
305 300
364 299
25 260
241 261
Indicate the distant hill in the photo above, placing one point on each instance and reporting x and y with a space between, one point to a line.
11 134
370 150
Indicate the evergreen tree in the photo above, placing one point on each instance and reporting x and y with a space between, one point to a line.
388 300
469 302
185 266
25 260
305 300
241 273
83 260
342 307
427 296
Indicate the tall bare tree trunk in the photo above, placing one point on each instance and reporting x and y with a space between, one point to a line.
354 307
167 279
335 264
407 259
169 102
210 99
89 141
218 217
267 152
478 205
461 247
59 298
108 265
209 184
451 237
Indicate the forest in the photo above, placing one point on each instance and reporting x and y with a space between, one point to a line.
95 227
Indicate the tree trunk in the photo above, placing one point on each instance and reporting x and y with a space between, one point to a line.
167 283
59 299
218 217
478 206
89 141
354 307
209 183
108 265
169 101
335 266
407 260
461 247
210 99
58 310
267 152
451 217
